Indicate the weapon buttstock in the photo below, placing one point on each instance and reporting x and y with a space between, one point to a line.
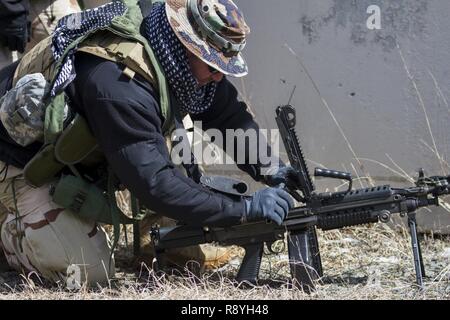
304 259
249 270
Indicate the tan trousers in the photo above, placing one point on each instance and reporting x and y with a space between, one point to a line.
39 236
44 15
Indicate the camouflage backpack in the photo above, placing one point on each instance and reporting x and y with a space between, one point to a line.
22 109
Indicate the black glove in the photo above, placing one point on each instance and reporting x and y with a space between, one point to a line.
271 204
15 32
283 175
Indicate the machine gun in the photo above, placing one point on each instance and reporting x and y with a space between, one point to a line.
326 211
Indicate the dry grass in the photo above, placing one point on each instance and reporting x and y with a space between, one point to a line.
372 262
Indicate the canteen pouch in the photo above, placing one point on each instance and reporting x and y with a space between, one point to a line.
85 199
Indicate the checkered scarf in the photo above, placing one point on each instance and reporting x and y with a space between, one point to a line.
174 61
69 29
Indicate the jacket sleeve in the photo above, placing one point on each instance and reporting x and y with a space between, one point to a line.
228 112
125 118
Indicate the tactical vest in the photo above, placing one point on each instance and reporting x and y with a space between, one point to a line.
68 145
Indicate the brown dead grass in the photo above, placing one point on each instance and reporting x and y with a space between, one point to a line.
371 262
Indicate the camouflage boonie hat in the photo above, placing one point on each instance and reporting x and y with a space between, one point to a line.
213 30
22 111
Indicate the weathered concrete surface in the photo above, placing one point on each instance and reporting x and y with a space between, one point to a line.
387 90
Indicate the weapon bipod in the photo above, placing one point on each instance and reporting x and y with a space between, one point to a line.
417 252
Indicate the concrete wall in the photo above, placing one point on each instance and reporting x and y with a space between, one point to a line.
387 90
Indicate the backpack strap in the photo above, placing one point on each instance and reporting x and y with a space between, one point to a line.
130 53
37 60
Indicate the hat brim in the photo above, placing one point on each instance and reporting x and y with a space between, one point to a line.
178 19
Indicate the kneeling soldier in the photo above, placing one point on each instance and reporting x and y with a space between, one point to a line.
90 108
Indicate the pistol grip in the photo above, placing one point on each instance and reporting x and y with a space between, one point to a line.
249 270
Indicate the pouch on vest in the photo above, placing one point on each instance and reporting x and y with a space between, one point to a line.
22 109
73 146
86 200
43 167
75 143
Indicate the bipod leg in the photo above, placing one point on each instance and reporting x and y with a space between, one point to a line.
417 252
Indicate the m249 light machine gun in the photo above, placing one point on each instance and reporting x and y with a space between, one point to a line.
326 211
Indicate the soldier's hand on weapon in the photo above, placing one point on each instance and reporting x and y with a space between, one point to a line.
284 174
272 204
287 176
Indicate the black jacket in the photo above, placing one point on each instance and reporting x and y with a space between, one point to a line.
10 9
14 24
125 117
